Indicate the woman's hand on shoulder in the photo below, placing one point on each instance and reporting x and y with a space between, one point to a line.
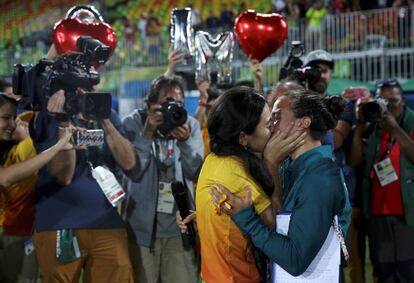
227 202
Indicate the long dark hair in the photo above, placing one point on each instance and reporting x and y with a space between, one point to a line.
5 146
238 110
323 111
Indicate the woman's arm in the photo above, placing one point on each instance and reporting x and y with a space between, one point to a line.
268 217
19 171
309 224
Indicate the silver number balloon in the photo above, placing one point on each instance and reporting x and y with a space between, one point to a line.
209 49
181 31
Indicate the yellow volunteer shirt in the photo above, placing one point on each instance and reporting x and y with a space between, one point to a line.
226 255
17 201
206 140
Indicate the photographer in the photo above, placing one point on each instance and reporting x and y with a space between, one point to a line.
170 147
387 189
323 61
75 225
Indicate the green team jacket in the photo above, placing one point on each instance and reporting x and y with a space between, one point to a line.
314 192
406 171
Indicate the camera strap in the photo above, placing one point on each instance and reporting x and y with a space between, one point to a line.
164 154
391 142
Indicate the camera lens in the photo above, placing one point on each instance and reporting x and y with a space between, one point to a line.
313 75
371 111
297 51
174 114
178 115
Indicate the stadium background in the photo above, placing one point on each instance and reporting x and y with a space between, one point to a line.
367 44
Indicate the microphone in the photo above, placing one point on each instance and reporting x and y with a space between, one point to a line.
179 193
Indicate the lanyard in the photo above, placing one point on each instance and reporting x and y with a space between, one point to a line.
340 235
387 151
165 158
391 142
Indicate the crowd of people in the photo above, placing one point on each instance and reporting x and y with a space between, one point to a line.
143 28
108 212
305 20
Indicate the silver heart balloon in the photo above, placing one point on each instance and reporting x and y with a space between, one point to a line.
209 49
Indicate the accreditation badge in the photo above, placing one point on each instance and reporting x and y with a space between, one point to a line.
165 198
385 172
109 184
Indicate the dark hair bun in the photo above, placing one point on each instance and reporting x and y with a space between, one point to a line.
335 105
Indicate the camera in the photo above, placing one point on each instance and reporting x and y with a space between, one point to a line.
174 116
93 49
373 110
69 72
293 67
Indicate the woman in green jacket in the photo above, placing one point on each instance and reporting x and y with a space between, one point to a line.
312 186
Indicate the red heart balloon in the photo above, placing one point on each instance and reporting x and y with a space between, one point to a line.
67 31
260 35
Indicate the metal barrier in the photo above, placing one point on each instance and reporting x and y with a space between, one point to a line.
356 66
391 28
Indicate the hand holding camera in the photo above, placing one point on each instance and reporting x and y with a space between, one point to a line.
154 119
181 133
56 102
165 119
388 122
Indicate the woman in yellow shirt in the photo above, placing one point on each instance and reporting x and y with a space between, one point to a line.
18 174
12 172
239 126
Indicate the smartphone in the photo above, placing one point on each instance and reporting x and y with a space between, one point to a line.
89 138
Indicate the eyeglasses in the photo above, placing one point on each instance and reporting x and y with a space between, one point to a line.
388 82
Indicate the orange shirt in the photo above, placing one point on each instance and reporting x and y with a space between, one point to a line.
226 255
17 201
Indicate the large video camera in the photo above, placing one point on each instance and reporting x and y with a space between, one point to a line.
374 110
294 69
69 72
174 115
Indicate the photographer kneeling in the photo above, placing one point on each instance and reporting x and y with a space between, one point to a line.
76 223
387 196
